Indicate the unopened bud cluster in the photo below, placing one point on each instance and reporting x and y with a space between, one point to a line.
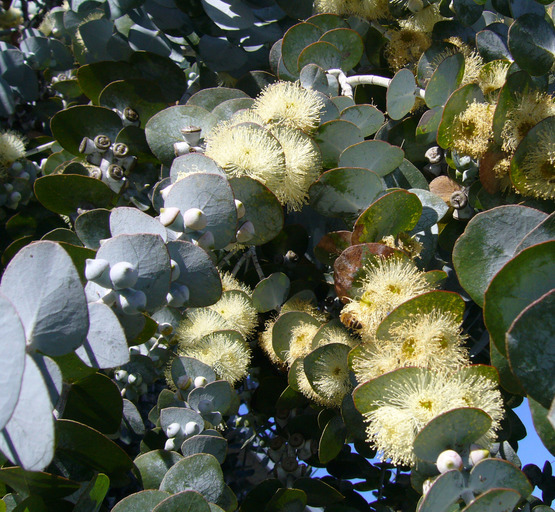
117 281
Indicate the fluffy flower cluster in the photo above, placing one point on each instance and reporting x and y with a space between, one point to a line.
12 148
385 284
413 399
420 356
217 334
329 377
271 142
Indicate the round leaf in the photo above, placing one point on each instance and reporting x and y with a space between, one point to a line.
200 472
186 501
452 430
525 176
71 125
377 221
95 401
344 192
106 345
28 437
401 94
281 332
12 359
488 242
367 117
333 137
143 501
154 465
532 43
197 272
426 303
444 493
54 315
262 208
271 292
377 155
211 97
90 448
349 44
501 500
213 445
489 473
213 195
164 128
143 96
457 103
295 40
92 226
191 163
530 351
67 193
332 440
149 255
521 281
131 221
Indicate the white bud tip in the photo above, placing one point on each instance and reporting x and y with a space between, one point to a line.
477 453
121 376
123 275
175 270
165 191
173 429
170 444
95 268
191 428
168 215
246 232
205 406
195 219
448 460
165 328
200 382
240 207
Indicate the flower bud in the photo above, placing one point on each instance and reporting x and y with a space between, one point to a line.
121 376
175 270
181 148
477 453
173 429
178 295
448 460
200 381
245 232
205 406
194 219
206 241
123 275
170 444
98 270
183 382
191 428
240 207
132 302
171 218
135 379
165 328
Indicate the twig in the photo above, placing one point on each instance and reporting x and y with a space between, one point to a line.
39 149
255 262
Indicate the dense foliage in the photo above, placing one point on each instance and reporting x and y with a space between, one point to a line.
269 255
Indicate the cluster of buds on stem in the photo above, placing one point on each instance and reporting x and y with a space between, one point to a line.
190 142
113 160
